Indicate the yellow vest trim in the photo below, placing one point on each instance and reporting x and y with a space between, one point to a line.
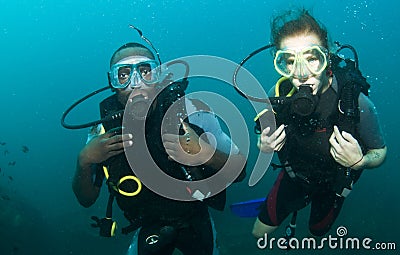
125 178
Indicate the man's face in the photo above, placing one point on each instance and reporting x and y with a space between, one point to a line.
133 74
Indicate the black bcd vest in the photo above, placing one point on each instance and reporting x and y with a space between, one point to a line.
307 146
147 203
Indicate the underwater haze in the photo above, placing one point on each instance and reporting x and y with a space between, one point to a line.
55 52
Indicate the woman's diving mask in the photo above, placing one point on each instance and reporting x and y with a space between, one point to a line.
301 64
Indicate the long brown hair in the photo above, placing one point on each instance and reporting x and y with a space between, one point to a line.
297 22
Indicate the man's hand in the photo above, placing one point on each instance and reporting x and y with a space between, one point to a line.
104 146
188 149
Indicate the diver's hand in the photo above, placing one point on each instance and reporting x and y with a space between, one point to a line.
188 149
345 149
104 146
272 142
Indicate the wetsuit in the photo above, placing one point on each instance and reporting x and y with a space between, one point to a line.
186 226
315 173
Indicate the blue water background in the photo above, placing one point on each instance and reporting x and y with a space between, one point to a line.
54 52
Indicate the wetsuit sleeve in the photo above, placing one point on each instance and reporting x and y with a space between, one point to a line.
94 131
99 175
96 168
209 123
203 117
369 128
213 131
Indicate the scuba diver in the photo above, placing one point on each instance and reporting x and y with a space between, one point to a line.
326 132
143 94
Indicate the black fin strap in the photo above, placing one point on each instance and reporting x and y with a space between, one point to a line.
276 166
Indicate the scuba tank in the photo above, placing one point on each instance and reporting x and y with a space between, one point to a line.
349 113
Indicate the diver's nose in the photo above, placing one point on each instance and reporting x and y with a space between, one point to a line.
301 72
135 80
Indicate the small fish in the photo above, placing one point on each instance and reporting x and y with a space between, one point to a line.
12 163
10 177
15 250
3 143
5 197
25 149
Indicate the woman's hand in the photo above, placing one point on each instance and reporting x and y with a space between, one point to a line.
345 149
272 142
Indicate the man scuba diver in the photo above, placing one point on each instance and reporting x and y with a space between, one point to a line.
164 224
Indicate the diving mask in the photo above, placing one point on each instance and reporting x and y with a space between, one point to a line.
122 75
301 64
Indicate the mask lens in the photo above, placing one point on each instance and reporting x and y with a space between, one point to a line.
122 75
285 62
315 59
311 60
148 71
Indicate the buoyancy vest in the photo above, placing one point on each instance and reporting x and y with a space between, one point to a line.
307 147
148 205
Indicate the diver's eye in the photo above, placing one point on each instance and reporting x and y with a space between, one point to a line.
144 68
313 62
145 71
123 73
290 61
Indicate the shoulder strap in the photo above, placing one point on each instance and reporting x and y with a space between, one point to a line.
350 84
110 106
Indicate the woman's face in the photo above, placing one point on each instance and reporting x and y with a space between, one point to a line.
298 43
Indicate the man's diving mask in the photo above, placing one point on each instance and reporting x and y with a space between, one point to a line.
301 64
124 75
